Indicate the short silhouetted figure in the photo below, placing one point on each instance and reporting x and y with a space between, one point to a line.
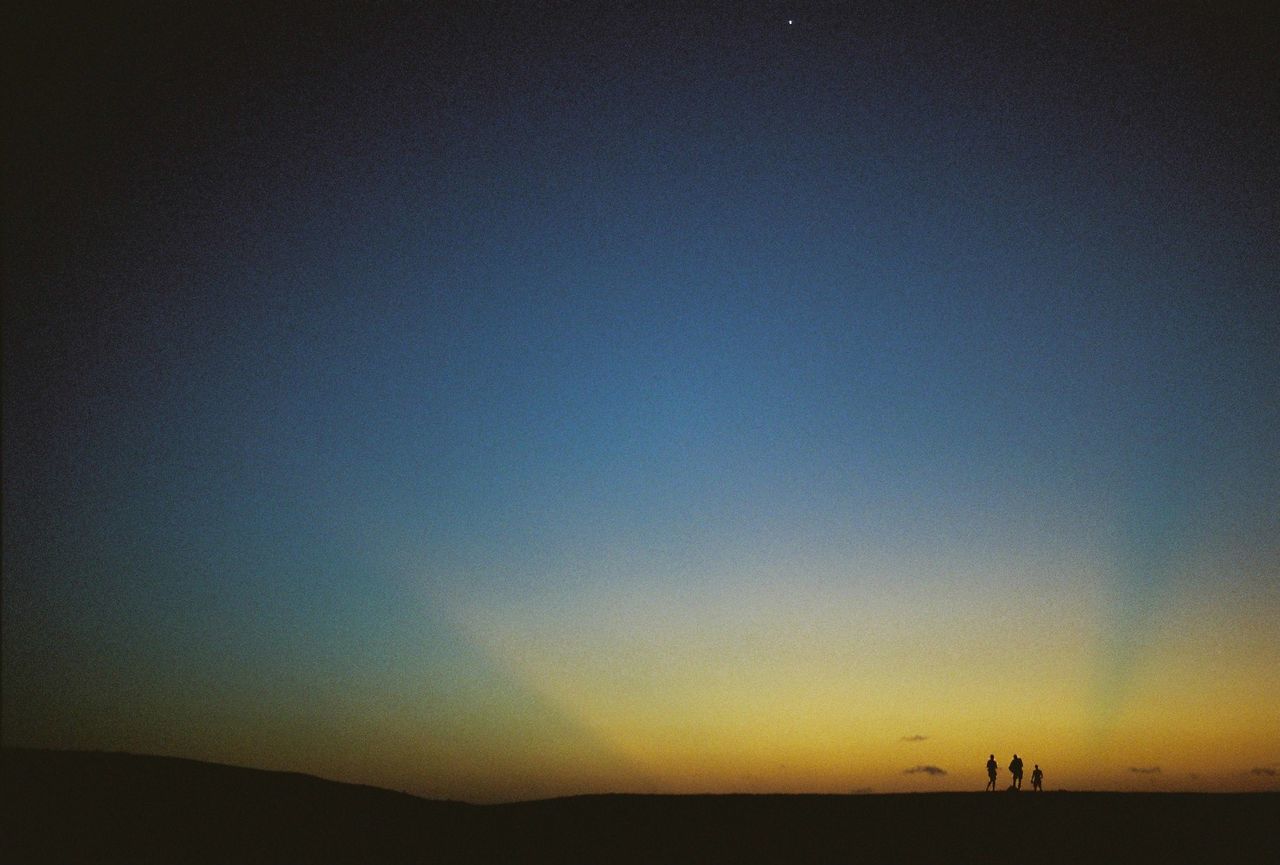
1015 766
1037 778
991 773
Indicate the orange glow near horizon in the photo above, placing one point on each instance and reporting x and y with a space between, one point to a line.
727 683
749 688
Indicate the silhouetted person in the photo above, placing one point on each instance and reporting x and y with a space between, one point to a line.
1037 778
1015 766
991 773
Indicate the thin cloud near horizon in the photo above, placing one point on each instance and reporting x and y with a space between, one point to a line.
928 770
1149 770
916 738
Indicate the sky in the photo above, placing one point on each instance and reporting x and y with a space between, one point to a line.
499 401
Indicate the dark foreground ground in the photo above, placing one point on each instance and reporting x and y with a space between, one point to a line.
68 807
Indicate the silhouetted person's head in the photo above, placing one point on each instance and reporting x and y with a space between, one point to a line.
993 756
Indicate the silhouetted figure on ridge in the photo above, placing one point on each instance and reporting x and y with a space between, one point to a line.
992 768
1015 766
1037 778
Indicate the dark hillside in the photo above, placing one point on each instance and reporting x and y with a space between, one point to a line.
98 807
114 808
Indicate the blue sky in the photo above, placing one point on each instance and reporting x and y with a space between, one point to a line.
347 351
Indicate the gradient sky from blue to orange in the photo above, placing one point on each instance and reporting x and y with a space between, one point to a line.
507 403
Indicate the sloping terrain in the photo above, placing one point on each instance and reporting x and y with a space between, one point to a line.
114 808
96 807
